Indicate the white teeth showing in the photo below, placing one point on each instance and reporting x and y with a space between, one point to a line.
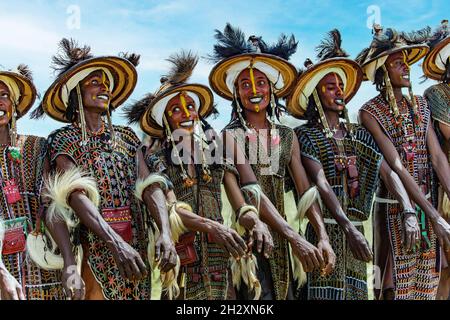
103 97
406 76
2 113
339 101
256 100
187 124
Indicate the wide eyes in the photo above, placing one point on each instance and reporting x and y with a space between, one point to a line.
247 84
4 95
178 109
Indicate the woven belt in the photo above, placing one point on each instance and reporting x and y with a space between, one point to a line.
332 221
392 201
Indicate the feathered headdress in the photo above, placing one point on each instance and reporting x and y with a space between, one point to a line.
71 61
331 59
149 111
330 47
232 42
412 43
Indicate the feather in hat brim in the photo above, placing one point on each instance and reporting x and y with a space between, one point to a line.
125 79
206 106
218 75
26 89
297 107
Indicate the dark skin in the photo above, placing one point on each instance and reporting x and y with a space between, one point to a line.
9 287
331 94
96 98
320 257
397 71
180 114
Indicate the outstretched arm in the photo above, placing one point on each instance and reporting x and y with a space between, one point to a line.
155 201
302 184
411 232
309 255
128 260
392 157
250 221
356 240
60 233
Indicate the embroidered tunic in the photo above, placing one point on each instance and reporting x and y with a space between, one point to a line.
207 277
348 281
415 275
116 173
38 284
270 169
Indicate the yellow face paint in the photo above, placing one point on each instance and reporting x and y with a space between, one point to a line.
252 79
170 113
323 89
183 104
337 83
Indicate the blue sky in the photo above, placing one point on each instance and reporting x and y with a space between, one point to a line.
31 30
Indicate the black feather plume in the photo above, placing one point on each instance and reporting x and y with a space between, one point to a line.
134 58
25 71
362 56
135 111
330 47
284 47
416 37
183 65
38 113
70 55
230 42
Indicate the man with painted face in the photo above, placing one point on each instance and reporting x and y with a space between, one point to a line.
402 129
22 160
255 82
343 160
436 66
97 167
177 114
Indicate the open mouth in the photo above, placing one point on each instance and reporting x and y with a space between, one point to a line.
405 76
187 124
103 97
256 99
339 102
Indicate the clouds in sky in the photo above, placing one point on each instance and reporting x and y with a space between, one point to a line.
31 30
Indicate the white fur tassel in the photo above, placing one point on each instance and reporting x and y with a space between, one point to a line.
306 201
43 257
245 269
141 185
445 206
60 185
297 270
177 226
169 279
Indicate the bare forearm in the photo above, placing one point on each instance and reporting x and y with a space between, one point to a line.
334 207
269 215
196 223
395 186
91 218
316 220
155 201
59 232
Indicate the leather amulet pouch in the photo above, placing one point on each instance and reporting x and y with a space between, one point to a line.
185 249
120 221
